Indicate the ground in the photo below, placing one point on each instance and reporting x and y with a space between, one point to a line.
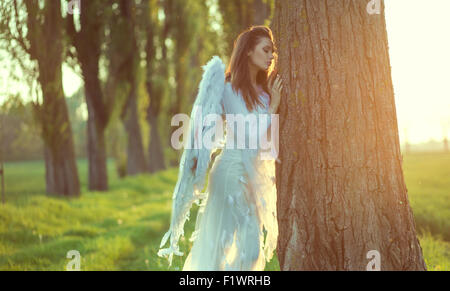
122 228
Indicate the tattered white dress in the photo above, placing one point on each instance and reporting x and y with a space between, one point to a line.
236 226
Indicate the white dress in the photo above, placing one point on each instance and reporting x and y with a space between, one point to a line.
236 226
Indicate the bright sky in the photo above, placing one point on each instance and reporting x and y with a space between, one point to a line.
419 48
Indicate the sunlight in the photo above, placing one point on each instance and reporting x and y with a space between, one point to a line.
420 60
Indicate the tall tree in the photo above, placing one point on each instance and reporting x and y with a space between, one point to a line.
183 31
154 87
341 188
88 41
44 45
136 162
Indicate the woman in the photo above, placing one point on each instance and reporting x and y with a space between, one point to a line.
236 226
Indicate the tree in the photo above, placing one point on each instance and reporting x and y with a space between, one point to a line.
154 88
341 191
238 15
136 162
88 41
20 135
43 45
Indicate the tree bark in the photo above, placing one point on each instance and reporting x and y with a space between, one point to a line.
46 47
340 183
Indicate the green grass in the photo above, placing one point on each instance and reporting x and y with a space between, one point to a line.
122 228
427 178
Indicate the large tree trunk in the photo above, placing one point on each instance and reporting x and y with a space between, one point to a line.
46 46
341 188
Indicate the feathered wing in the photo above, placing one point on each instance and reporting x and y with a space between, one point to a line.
195 155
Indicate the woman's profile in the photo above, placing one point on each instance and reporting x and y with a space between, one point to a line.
236 226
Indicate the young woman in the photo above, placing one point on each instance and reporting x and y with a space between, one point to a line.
236 226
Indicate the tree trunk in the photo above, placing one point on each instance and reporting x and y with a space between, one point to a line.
341 188
136 162
60 172
155 152
98 176
98 106
261 12
96 147
46 46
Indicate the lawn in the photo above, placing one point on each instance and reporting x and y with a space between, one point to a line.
122 228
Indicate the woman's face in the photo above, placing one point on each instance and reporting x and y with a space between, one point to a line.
262 55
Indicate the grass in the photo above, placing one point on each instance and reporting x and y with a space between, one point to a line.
122 228
427 178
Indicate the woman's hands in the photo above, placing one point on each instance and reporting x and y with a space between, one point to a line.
275 92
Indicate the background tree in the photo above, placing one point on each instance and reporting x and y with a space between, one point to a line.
154 86
136 161
340 184
20 135
35 33
88 41
238 15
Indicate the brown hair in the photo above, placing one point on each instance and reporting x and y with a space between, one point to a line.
238 73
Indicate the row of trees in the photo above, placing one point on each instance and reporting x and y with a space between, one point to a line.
139 61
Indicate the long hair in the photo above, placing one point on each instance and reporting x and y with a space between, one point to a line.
238 73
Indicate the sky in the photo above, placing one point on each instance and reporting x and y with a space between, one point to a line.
419 48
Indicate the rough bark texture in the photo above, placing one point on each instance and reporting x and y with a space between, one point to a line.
340 182
46 47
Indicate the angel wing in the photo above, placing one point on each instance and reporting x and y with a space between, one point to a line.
195 160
